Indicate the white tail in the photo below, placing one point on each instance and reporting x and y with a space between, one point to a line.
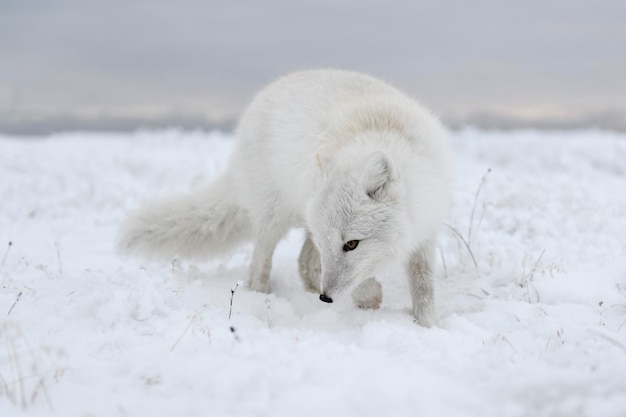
198 224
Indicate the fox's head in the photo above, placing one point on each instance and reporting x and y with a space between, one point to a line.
357 219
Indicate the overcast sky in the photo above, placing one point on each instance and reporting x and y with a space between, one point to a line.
124 63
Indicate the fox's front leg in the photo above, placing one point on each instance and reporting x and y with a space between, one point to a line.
421 284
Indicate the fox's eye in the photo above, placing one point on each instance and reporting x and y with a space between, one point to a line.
350 245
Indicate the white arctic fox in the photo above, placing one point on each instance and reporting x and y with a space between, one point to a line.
365 169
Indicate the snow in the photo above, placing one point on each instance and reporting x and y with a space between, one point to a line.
537 327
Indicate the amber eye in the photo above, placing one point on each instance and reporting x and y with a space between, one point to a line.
350 245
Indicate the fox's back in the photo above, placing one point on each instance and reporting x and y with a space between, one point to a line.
299 106
278 135
289 122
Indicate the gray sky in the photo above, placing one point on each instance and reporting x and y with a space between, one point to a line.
121 64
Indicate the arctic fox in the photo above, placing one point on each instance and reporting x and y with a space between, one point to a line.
362 167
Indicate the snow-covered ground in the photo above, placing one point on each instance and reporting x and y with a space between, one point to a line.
534 325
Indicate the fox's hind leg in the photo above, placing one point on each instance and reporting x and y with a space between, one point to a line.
268 236
309 265
262 262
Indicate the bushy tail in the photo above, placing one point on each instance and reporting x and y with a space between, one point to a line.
198 224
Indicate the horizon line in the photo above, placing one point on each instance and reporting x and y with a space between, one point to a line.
52 125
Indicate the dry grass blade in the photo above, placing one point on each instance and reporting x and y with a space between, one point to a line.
19 295
17 371
534 268
612 340
184 332
268 309
476 194
4 258
531 275
232 296
443 263
56 245
465 243
234 332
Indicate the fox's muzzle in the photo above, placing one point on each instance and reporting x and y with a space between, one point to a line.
325 298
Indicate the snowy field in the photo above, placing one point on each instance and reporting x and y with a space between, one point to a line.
531 293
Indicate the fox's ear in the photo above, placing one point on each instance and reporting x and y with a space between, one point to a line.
379 175
323 163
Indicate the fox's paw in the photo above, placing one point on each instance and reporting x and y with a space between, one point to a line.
369 294
256 285
425 316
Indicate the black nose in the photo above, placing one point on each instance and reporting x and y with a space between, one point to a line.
325 298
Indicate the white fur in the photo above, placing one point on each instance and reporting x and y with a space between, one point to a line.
340 153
